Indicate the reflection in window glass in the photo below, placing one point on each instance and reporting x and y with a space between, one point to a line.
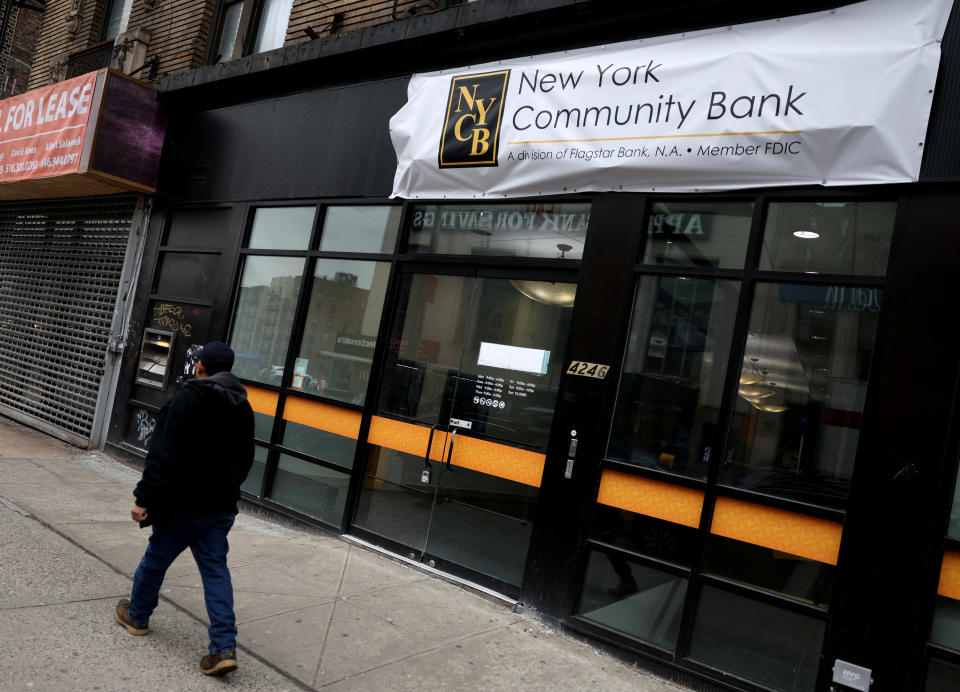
346 300
946 623
657 538
475 368
114 20
228 32
263 424
782 573
332 448
273 25
310 488
553 230
393 501
953 529
828 237
771 646
802 388
672 379
703 234
482 522
633 599
282 228
264 316
942 676
360 229
255 477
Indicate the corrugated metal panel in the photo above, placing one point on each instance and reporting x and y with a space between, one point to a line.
329 142
60 269
941 155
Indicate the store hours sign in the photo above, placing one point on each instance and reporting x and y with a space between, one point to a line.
753 105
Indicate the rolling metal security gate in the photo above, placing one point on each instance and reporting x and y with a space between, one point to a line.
61 265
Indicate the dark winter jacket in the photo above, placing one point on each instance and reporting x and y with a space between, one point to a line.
200 452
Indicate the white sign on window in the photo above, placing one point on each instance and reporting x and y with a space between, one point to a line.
837 97
532 360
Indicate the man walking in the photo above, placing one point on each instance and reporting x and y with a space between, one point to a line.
200 453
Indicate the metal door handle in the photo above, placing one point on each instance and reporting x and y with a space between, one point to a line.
453 436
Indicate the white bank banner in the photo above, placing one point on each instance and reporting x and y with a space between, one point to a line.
840 97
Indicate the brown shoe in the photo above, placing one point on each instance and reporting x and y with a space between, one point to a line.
218 664
122 614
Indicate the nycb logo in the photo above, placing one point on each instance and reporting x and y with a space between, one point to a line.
471 129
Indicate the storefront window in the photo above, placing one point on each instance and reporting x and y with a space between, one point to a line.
772 646
310 488
802 388
282 228
672 380
828 237
702 234
340 334
336 449
772 570
663 540
942 676
946 623
255 478
360 229
634 599
263 317
554 230
953 529
272 32
946 615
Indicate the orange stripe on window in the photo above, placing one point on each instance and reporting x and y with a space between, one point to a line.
494 459
262 400
797 534
405 437
950 576
652 498
499 460
339 421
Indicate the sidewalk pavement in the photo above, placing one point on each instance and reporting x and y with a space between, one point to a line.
314 610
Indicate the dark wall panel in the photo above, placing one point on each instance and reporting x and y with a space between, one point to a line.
941 156
326 143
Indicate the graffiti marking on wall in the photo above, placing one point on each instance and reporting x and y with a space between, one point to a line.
145 426
170 316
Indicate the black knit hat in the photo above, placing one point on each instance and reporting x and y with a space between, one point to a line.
216 357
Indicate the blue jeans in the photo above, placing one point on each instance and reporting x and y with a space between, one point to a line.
207 539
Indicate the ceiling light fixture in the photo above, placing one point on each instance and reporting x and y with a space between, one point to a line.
753 393
547 292
806 235
770 408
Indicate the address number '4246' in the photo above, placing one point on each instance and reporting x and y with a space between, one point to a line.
585 369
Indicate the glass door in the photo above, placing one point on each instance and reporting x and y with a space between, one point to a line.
458 440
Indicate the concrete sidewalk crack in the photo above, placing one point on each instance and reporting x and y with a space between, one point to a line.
424 652
12 506
47 604
240 647
286 612
333 614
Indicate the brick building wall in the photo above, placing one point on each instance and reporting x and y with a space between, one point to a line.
57 34
26 25
352 14
178 32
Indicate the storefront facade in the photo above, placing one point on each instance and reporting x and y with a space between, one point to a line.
665 420
74 207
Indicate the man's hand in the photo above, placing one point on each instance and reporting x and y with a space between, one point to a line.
138 513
